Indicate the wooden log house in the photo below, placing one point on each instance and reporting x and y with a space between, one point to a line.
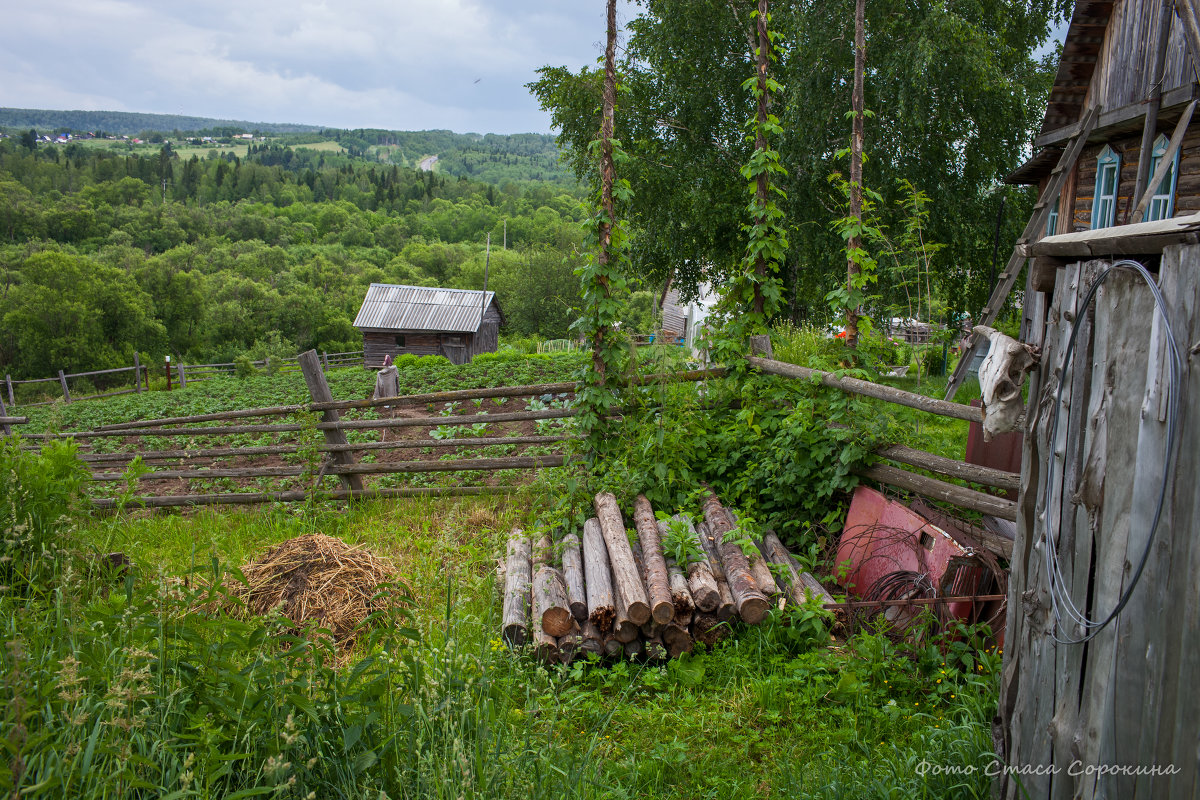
399 320
1133 60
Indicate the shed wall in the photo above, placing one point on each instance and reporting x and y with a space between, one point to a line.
1128 697
1125 65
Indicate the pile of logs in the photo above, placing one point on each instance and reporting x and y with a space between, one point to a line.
619 596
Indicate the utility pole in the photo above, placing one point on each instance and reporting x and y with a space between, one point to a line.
487 260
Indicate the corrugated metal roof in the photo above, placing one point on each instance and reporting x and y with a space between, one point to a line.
421 308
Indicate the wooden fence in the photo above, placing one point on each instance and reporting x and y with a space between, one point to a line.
405 427
1099 695
177 374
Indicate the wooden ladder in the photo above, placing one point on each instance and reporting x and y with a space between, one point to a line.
1033 231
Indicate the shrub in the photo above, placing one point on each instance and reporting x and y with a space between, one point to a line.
38 490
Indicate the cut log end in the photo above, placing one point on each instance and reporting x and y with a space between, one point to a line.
603 618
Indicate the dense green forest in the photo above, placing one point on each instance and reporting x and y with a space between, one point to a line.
102 254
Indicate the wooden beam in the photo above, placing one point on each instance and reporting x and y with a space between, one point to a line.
940 490
889 394
181 501
1150 125
1165 164
973 473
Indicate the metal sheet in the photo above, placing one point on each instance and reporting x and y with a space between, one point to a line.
392 307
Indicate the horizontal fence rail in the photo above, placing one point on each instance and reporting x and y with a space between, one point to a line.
179 372
867 389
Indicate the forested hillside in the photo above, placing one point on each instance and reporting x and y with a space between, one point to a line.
130 123
102 254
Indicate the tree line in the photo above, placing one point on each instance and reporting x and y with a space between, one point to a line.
953 94
103 254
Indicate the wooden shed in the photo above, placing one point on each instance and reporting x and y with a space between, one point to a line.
1129 61
399 320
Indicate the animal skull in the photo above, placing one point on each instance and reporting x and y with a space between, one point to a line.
1000 378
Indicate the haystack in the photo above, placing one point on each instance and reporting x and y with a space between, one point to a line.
322 581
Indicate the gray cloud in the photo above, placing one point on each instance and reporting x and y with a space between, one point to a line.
403 64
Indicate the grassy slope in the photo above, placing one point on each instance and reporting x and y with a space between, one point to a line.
757 718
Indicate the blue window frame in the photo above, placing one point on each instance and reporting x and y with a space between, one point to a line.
1052 220
1162 204
1108 178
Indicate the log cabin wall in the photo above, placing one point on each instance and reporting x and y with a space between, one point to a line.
1129 697
378 344
1109 60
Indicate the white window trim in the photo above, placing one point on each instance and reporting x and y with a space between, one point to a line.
1052 218
1104 206
1163 200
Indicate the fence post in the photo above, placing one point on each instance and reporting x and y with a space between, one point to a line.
182 376
137 373
12 401
318 389
63 380
325 360
167 369
4 413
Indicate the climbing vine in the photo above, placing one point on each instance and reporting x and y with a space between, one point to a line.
602 275
755 293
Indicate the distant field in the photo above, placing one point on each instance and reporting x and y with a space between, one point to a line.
185 151
329 147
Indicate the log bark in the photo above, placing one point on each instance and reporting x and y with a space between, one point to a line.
701 582
677 640
709 630
597 577
658 587
550 608
798 580
655 650
518 578
593 639
545 646
572 567
627 583
758 565
624 629
724 608
751 604
681 596
570 644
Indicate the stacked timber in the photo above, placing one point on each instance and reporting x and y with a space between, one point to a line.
614 592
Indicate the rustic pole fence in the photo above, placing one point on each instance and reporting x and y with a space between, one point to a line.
318 389
137 373
62 379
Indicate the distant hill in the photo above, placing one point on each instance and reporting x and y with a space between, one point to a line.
128 123
492 158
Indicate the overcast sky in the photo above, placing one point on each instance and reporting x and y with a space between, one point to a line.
460 65
398 64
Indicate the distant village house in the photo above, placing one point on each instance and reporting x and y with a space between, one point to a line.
400 320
